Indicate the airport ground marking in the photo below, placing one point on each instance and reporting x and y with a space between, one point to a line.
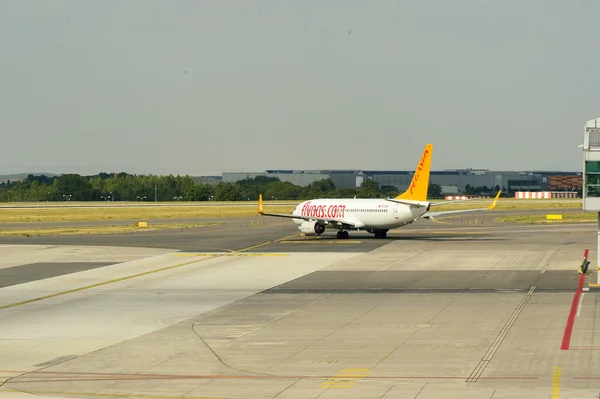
110 395
231 254
556 382
438 221
265 243
73 376
254 246
116 280
566 341
347 378
320 242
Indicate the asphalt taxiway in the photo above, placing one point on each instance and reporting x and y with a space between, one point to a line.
453 308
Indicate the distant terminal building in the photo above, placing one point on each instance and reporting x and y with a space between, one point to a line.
565 182
546 194
452 181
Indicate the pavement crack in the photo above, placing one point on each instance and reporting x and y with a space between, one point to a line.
286 388
215 354
451 302
420 390
386 392
332 332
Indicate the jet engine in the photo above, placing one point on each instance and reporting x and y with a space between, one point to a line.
312 228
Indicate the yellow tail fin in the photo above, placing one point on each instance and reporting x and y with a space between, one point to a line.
419 185
495 200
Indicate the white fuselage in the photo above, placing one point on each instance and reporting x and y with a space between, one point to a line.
365 214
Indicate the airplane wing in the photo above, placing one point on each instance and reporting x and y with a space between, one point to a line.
433 215
335 221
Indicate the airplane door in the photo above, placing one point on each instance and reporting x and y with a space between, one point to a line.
396 211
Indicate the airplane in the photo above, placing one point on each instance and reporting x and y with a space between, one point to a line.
373 215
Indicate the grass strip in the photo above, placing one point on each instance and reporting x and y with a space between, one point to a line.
571 217
147 212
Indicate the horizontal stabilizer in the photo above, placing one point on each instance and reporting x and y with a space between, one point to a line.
419 204
433 215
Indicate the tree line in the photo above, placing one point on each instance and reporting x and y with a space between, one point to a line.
127 187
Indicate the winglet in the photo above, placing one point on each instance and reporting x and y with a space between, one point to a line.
495 200
417 190
260 205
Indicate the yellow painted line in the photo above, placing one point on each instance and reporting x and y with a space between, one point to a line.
593 285
116 280
347 378
162 269
108 395
320 242
556 382
267 243
220 249
255 246
438 221
285 238
231 254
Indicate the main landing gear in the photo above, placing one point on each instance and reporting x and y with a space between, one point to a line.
343 234
380 233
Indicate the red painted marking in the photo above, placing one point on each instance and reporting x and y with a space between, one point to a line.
217 377
585 253
566 341
584 349
66 374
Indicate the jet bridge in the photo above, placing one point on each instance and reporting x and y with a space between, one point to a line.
591 176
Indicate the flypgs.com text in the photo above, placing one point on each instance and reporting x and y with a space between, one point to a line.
321 211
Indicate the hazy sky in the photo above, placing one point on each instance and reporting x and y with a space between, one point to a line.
206 86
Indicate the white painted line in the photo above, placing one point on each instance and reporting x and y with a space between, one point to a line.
579 307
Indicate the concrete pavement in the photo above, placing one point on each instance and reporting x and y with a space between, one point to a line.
436 310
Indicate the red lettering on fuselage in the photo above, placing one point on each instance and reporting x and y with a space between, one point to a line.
419 169
322 211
